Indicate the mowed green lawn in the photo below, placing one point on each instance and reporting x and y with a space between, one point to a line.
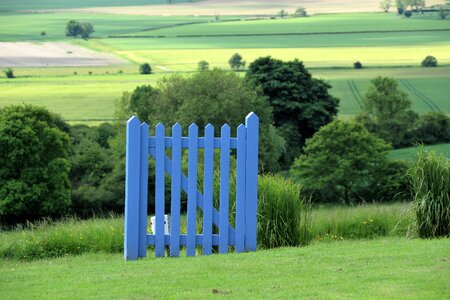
58 4
392 268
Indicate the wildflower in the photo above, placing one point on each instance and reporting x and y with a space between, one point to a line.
365 222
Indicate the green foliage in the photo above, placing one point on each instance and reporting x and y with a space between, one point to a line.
357 65
283 13
342 162
47 239
429 61
9 73
203 65
34 172
75 29
301 12
142 100
301 104
385 5
408 13
145 68
283 214
236 62
386 112
91 164
432 128
430 181
443 13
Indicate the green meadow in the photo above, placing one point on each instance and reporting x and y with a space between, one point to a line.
394 268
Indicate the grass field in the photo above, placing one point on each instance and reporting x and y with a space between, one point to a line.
91 97
378 269
28 26
57 4
411 153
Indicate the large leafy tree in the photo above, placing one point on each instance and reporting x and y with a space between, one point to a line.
343 162
386 111
34 170
301 104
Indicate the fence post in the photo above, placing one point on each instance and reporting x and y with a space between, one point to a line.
251 182
143 191
132 182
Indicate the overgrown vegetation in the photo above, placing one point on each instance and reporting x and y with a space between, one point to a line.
430 180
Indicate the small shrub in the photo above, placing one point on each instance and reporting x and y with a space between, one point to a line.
75 73
283 215
430 181
43 33
400 11
442 12
90 72
145 68
9 73
429 61
120 72
408 13
357 65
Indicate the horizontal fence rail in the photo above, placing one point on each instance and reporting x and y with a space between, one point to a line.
140 145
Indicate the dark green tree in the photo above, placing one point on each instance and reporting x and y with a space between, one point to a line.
145 68
301 104
432 128
343 161
236 62
203 65
9 73
75 29
386 112
429 61
34 173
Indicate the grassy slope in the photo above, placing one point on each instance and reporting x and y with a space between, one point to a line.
57 4
380 269
411 153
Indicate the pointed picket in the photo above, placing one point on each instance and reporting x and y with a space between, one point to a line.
159 187
251 181
208 179
192 191
224 188
240 188
176 191
131 231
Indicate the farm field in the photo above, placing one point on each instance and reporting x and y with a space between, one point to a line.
411 153
91 97
376 269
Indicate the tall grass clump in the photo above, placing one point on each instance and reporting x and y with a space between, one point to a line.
283 214
430 181
46 239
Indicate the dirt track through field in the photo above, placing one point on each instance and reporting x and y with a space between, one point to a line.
54 54
245 7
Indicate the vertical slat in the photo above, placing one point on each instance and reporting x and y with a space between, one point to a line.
224 188
208 178
159 186
176 190
251 189
240 188
143 191
192 191
131 238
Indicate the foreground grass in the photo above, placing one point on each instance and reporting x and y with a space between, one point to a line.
378 269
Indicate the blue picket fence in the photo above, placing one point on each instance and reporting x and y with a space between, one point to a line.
140 145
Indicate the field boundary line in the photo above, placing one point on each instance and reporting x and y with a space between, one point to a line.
270 34
420 95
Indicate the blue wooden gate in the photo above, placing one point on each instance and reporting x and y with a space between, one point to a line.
140 145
